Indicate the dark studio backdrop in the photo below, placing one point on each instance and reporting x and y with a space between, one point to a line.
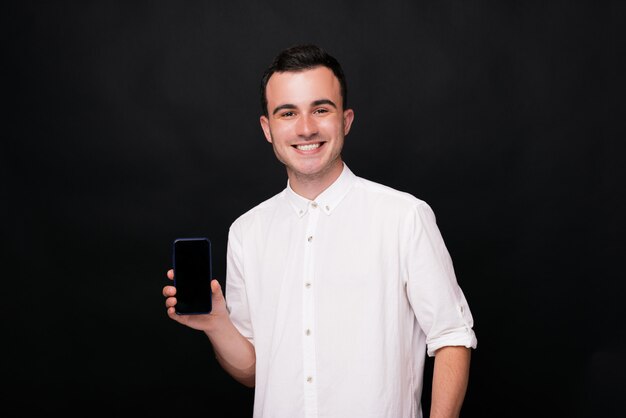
133 123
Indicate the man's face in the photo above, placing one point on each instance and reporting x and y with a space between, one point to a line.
306 122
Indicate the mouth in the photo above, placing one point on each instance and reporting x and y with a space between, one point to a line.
308 147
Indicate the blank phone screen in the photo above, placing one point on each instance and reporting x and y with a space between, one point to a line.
192 275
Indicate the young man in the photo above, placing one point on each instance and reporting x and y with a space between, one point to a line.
337 287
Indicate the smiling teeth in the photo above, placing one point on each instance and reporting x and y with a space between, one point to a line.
308 147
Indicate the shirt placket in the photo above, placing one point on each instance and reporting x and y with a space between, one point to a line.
308 311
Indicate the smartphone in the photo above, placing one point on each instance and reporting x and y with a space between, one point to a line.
192 275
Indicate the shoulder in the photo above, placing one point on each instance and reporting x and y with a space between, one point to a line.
259 212
386 195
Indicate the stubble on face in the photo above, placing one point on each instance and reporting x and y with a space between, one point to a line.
306 125
334 164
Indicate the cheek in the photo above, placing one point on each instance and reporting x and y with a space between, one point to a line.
331 126
282 131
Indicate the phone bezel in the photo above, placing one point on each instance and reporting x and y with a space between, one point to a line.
210 267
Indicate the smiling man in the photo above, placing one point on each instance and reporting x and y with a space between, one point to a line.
305 122
337 287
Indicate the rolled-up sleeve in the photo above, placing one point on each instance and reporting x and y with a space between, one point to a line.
433 291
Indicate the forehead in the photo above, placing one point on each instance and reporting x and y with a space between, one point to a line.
303 86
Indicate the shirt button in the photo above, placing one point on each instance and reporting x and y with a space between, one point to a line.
308 332
310 238
309 379
313 204
307 285
327 207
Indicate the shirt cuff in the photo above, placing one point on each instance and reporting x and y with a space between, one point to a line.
466 338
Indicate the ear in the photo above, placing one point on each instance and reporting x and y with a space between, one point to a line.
348 117
265 125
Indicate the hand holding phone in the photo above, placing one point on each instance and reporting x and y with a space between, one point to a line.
192 275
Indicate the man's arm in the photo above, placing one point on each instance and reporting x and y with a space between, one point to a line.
233 351
450 378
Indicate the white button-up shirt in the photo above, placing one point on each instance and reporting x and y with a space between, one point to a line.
342 297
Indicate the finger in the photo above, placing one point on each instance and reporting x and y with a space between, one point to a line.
170 274
169 291
171 312
181 319
170 302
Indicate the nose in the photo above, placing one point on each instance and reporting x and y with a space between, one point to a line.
306 127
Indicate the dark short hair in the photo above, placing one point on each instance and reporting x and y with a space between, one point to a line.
299 58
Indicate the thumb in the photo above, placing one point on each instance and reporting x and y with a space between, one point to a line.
216 288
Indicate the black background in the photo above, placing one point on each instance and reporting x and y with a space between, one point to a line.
131 124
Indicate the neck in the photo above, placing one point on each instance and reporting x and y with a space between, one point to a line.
311 186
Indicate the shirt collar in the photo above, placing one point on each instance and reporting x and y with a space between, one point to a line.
328 200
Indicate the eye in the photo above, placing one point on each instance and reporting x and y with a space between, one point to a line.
320 111
288 114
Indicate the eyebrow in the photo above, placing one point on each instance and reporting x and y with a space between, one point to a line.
324 101
284 106
289 106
